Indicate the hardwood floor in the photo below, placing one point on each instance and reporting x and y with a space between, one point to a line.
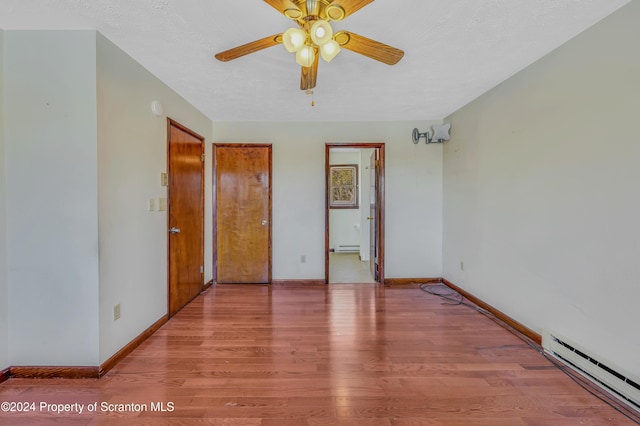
327 355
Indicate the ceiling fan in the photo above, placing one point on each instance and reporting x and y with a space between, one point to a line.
314 36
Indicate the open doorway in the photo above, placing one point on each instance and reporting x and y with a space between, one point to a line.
354 237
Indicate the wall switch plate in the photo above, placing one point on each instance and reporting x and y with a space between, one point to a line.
152 204
162 204
164 179
303 258
116 312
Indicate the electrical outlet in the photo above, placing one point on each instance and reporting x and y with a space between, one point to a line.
116 312
303 258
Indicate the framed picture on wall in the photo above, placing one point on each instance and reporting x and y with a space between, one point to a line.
344 186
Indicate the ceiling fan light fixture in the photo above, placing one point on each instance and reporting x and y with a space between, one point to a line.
321 32
305 56
329 50
292 13
335 12
293 39
313 36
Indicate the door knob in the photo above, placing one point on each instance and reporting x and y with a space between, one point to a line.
369 218
174 230
263 223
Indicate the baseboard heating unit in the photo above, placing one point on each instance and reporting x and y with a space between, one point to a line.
346 248
603 374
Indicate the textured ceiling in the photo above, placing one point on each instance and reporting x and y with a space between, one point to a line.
455 50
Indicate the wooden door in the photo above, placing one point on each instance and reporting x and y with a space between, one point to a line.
185 215
242 213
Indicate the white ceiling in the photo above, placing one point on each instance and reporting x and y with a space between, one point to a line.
455 50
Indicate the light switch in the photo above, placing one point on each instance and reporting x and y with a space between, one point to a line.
152 204
162 204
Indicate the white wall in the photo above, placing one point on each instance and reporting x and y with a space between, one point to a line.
413 193
541 193
4 281
83 156
365 203
345 224
132 154
51 201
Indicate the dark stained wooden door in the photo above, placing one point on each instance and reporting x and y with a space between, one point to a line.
185 215
242 213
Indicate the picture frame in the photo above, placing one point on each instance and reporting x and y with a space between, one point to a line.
343 191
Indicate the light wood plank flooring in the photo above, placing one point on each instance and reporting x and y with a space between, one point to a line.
332 355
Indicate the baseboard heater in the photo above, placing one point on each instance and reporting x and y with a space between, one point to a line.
348 248
616 382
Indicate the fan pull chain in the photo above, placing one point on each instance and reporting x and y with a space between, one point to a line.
310 92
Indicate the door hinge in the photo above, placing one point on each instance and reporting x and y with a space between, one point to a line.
201 269
202 157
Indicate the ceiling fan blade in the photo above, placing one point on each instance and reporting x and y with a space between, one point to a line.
245 49
367 47
286 7
309 75
340 9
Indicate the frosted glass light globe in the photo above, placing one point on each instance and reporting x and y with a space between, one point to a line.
293 39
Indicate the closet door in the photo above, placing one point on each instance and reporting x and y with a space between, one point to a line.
242 210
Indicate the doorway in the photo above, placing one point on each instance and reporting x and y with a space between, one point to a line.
185 219
354 214
242 213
